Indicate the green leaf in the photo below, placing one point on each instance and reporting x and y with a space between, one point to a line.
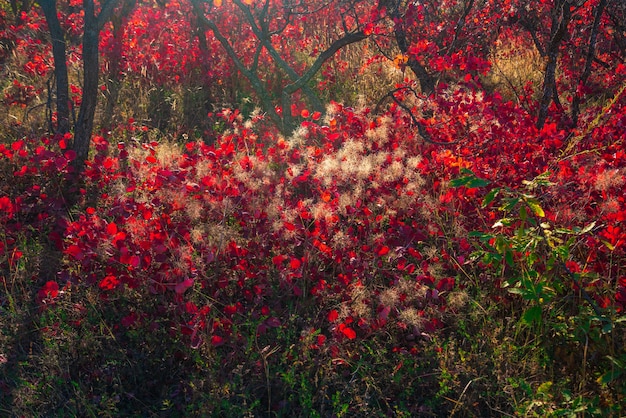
510 204
610 246
533 204
523 215
502 222
458 182
490 196
617 362
532 315
477 182
544 388
562 252
479 234
508 257
609 376
542 179
470 180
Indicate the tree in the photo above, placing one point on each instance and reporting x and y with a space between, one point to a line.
438 38
114 57
566 34
8 27
581 42
94 21
57 38
560 17
269 30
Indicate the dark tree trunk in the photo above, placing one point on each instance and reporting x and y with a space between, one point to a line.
560 20
591 54
299 82
114 58
17 7
84 123
426 80
57 36
91 71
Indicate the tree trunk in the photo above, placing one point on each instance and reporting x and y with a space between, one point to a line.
57 36
84 123
426 80
560 20
114 58
591 54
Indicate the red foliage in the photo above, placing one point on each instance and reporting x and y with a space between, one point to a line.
351 213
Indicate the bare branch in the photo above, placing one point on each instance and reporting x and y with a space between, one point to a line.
420 128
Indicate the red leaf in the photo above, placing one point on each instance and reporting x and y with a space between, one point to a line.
70 155
216 341
134 261
383 250
50 289
383 313
120 236
183 286
446 284
278 260
112 229
347 331
129 320
333 315
75 251
109 283
295 263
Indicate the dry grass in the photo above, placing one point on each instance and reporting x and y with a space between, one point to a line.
513 68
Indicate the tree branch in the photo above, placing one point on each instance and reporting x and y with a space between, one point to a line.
252 77
420 128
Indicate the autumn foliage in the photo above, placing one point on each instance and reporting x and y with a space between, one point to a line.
360 246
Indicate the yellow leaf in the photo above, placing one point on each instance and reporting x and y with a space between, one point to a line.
400 60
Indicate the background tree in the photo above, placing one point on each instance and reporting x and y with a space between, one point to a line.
94 20
93 24
9 24
566 34
268 26
442 41
57 38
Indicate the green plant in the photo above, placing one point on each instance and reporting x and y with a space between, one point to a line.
561 318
